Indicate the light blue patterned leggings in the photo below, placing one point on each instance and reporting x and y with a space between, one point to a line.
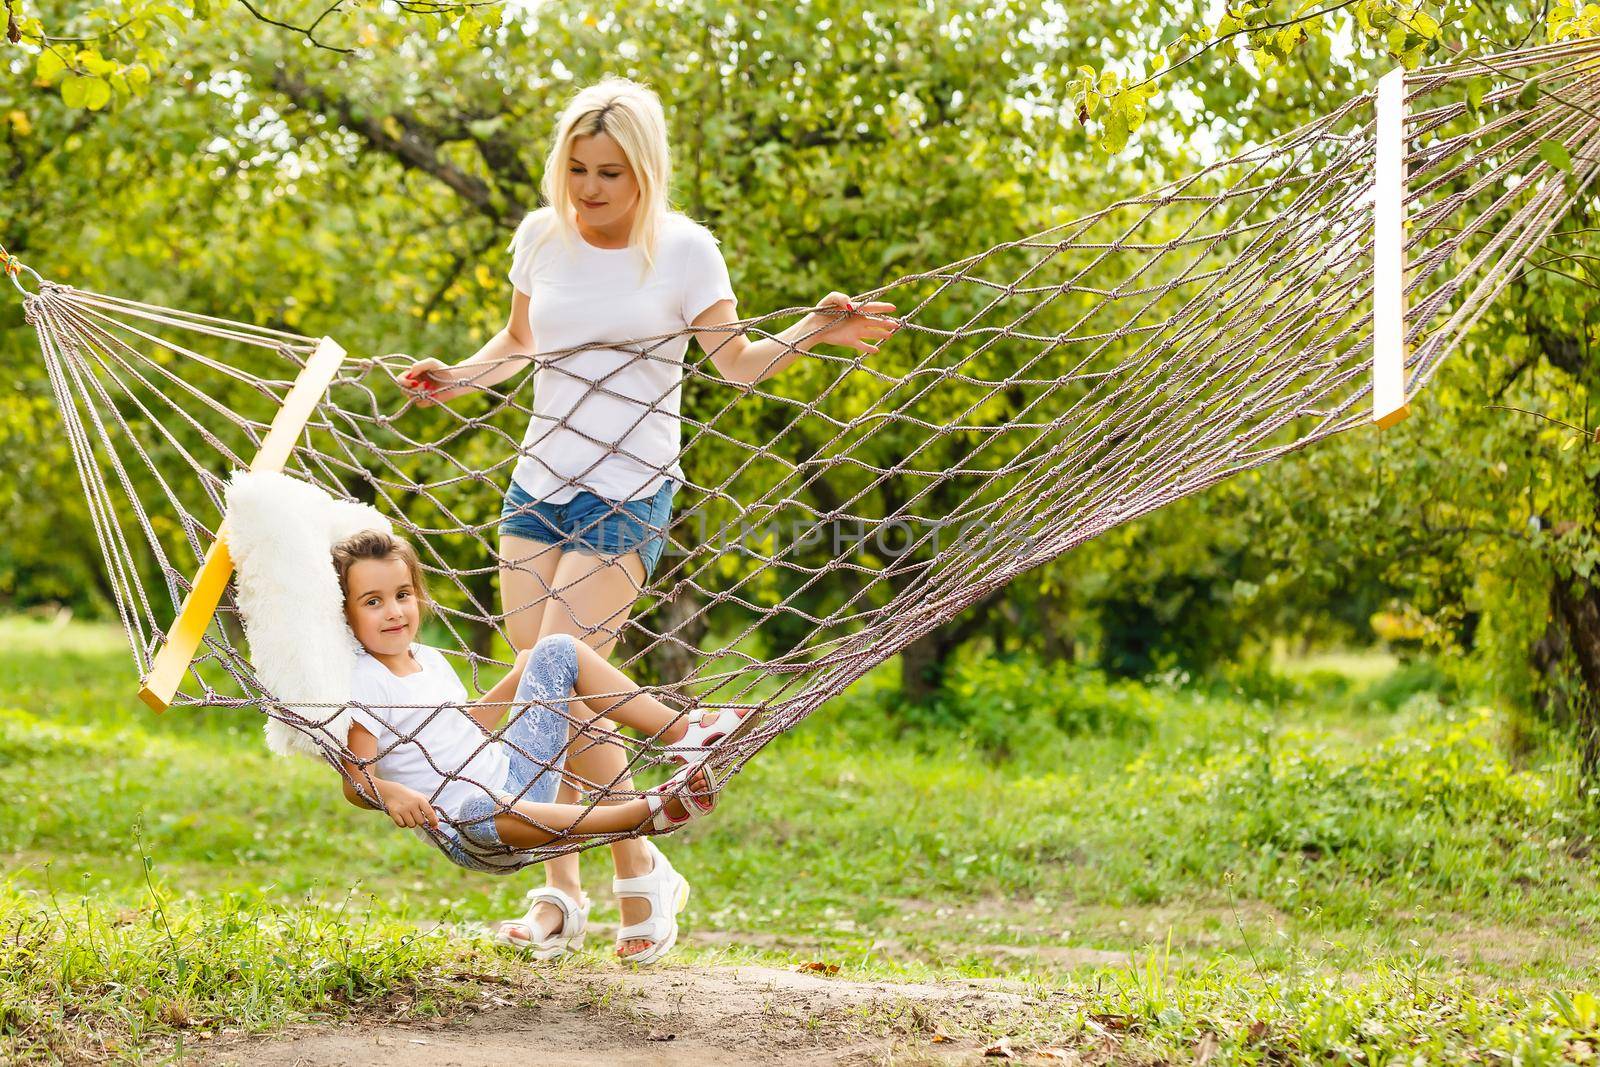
534 741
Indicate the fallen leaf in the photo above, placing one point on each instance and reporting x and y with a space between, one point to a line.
819 967
1257 1031
1205 1048
1001 1050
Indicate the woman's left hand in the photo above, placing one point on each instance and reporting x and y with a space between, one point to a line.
859 329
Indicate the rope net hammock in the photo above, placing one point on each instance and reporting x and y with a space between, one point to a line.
1038 394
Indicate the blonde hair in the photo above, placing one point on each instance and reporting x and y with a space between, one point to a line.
377 545
631 115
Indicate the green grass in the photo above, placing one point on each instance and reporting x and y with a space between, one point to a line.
1352 869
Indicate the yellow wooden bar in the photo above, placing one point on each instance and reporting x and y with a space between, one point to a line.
1394 417
160 686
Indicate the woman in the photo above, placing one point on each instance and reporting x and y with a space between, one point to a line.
584 520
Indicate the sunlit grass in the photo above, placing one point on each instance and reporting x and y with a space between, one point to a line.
1052 827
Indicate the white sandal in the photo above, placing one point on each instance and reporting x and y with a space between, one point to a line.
568 937
699 740
668 894
695 802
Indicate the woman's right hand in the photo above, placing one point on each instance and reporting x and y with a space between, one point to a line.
861 327
409 808
429 381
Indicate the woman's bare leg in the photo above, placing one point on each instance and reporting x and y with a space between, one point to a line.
527 569
591 600
545 591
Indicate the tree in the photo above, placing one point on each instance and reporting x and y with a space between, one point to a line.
370 195
1482 511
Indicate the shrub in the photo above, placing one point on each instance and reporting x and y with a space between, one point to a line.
1400 685
1006 707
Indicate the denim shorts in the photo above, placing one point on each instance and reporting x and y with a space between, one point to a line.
593 524
535 740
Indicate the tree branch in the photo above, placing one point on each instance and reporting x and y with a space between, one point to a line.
1310 16
416 148
460 264
1562 350
308 32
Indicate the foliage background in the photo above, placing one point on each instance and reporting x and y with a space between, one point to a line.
358 171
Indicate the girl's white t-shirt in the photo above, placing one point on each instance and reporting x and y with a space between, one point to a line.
440 728
588 403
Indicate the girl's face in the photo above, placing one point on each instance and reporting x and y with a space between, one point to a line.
382 606
600 181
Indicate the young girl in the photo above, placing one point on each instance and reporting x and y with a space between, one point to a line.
433 760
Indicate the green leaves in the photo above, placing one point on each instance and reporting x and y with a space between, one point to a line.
767 137
1581 1011
1120 103
85 91
1569 20
1424 24
50 65
88 79
1555 154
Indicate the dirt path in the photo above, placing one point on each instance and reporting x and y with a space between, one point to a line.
706 1017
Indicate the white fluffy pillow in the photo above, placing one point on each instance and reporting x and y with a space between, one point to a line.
280 531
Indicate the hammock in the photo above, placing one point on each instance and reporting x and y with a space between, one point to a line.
1038 394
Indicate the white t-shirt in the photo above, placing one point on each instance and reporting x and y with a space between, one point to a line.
581 294
450 736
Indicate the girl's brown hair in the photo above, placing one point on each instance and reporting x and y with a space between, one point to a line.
377 545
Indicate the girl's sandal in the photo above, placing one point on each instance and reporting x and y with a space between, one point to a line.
566 938
700 740
696 801
668 893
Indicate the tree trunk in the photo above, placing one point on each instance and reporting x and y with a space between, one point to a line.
923 661
1055 630
484 588
669 660
1572 639
922 664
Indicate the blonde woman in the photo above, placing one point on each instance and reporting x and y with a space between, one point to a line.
584 520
